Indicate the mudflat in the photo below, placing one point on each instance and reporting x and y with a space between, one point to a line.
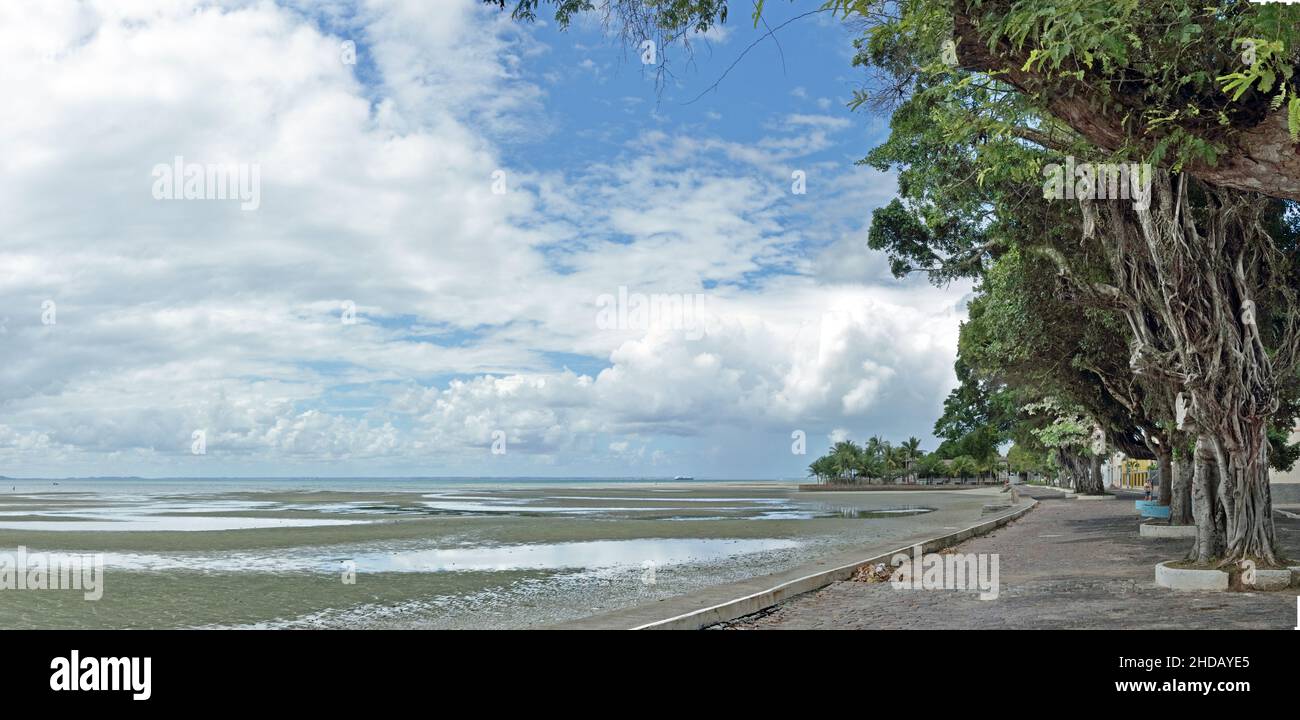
429 553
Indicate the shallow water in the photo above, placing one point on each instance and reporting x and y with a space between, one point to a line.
589 555
127 522
422 553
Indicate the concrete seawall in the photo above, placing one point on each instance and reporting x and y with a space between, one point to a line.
889 488
756 602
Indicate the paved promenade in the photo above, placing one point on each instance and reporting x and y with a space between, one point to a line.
1067 564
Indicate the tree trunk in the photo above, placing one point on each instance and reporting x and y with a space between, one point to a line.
1180 505
1247 505
1074 469
1204 504
1090 482
1165 475
1189 269
1255 159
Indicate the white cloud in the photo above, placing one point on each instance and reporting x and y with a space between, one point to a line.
179 316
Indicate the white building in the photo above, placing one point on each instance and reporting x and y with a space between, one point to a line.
1286 485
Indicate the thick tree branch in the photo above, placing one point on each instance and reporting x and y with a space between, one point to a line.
1260 159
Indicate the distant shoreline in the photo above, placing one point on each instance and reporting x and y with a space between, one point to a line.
412 478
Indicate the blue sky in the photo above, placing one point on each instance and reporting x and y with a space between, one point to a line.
438 224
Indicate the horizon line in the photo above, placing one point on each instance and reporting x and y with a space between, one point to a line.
392 477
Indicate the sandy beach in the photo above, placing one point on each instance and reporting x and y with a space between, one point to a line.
431 553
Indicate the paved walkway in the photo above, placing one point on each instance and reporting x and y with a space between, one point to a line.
1067 564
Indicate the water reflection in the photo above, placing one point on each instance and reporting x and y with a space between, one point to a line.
858 513
584 555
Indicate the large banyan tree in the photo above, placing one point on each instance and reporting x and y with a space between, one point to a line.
1202 97
1169 124
1188 110
1200 266
1208 297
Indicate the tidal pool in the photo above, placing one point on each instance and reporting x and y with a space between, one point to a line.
166 523
589 555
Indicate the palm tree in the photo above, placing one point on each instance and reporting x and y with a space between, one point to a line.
873 445
965 466
846 459
913 447
901 462
877 451
871 466
823 468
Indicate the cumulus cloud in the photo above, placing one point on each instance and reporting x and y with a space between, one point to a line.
386 309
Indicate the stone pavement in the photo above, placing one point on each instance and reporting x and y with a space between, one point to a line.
1067 564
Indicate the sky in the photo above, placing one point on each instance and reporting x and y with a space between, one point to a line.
462 246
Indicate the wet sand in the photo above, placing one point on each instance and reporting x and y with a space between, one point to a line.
432 555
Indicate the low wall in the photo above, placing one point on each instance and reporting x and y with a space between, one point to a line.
888 488
751 604
1284 493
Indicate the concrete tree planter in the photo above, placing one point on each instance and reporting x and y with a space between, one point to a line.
1095 497
1190 579
1219 580
1162 530
1272 579
1158 512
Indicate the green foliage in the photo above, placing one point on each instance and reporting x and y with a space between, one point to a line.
931 466
1021 459
846 461
1178 78
1068 428
977 417
963 466
1177 64
1262 73
1282 453
668 15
